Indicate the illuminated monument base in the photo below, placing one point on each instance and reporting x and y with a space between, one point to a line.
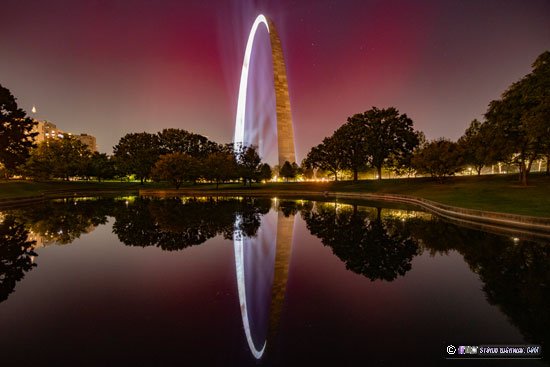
285 131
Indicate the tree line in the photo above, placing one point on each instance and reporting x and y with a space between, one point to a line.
515 131
173 155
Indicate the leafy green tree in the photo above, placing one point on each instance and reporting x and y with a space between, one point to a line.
326 156
61 158
101 166
16 136
288 171
176 168
265 172
178 140
39 164
439 158
476 147
220 166
387 135
136 153
519 122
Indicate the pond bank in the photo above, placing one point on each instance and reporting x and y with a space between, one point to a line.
510 223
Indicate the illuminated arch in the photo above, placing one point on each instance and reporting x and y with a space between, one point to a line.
285 131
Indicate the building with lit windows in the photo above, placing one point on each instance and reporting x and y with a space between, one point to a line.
47 130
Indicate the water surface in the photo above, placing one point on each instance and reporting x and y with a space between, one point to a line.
244 281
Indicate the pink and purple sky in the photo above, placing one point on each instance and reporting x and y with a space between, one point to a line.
111 67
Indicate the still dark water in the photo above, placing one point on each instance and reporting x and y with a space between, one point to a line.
250 282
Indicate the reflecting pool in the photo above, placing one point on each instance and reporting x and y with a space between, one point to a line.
260 281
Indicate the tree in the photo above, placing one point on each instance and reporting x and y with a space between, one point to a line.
351 140
326 156
176 168
287 171
265 172
387 135
16 136
137 153
220 166
307 172
439 158
475 146
178 140
248 162
519 122
101 166
61 158
401 164
16 255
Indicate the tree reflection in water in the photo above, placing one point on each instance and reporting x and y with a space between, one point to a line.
367 246
174 224
16 255
516 274
64 220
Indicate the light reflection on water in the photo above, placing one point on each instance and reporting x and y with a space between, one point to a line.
308 281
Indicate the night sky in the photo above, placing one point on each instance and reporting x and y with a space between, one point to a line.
111 67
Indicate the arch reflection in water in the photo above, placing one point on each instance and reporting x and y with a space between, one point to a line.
261 264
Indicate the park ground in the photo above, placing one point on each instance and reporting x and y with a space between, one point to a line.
499 193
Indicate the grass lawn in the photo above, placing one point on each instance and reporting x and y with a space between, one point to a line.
19 189
500 193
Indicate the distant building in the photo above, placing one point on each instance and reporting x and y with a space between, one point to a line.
88 140
47 130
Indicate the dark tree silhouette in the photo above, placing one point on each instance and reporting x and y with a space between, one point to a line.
16 136
248 163
182 141
16 253
287 171
327 156
387 135
518 122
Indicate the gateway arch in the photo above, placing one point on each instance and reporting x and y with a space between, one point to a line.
285 131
